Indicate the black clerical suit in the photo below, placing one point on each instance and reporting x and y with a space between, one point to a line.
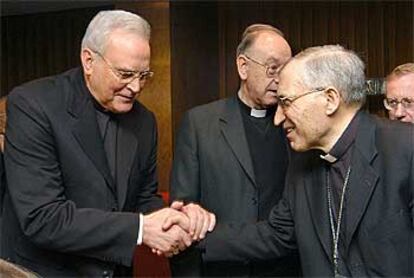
66 215
378 237
233 165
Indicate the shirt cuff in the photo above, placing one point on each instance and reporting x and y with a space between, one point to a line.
141 226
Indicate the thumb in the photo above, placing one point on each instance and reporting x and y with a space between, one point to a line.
177 205
180 220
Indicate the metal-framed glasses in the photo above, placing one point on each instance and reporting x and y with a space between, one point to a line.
392 103
271 69
127 76
285 102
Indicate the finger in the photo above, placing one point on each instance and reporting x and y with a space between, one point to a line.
193 216
177 205
212 222
205 225
176 219
202 224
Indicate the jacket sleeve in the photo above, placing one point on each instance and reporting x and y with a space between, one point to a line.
264 240
37 189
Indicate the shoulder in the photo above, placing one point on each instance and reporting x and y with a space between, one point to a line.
47 89
211 109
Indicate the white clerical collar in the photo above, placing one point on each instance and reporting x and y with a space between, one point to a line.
328 157
258 113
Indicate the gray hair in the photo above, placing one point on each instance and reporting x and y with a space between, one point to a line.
333 65
250 34
105 22
401 70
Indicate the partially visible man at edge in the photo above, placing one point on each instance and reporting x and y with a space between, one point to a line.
80 159
399 93
231 159
348 205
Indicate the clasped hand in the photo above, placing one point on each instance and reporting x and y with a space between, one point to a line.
171 230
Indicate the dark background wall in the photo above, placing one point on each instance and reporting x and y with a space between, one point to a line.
194 44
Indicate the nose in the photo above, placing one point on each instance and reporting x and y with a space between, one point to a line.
279 116
399 111
134 85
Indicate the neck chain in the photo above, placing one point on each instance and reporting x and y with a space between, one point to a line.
335 232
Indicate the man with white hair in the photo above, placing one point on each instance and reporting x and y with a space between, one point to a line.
80 158
399 93
348 205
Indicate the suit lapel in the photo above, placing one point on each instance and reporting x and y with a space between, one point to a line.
231 124
86 131
363 177
127 147
315 188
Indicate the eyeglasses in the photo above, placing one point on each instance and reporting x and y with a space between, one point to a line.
392 103
126 77
285 102
271 70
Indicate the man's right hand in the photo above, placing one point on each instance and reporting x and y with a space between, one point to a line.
167 242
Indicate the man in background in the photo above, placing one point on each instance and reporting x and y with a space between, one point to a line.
399 93
231 159
80 159
348 206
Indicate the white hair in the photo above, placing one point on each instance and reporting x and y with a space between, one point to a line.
105 22
333 65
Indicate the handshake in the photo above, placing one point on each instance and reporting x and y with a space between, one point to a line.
171 230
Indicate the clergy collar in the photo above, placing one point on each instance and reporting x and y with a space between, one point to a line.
344 142
255 113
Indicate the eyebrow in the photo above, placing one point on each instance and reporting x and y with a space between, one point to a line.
125 70
273 61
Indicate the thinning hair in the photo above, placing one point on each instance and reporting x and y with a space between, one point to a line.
106 22
401 70
251 33
334 66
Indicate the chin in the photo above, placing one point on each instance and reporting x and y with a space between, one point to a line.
297 147
122 108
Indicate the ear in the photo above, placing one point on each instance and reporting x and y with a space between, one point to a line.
87 58
242 66
333 100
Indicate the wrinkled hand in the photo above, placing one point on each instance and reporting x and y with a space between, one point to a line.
201 221
166 241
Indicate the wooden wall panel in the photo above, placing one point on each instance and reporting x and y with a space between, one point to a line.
381 32
156 95
194 49
38 45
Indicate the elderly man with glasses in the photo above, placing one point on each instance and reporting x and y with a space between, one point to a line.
348 206
231 159
80 158
399 92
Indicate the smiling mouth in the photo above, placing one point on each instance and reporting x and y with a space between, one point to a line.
129 98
